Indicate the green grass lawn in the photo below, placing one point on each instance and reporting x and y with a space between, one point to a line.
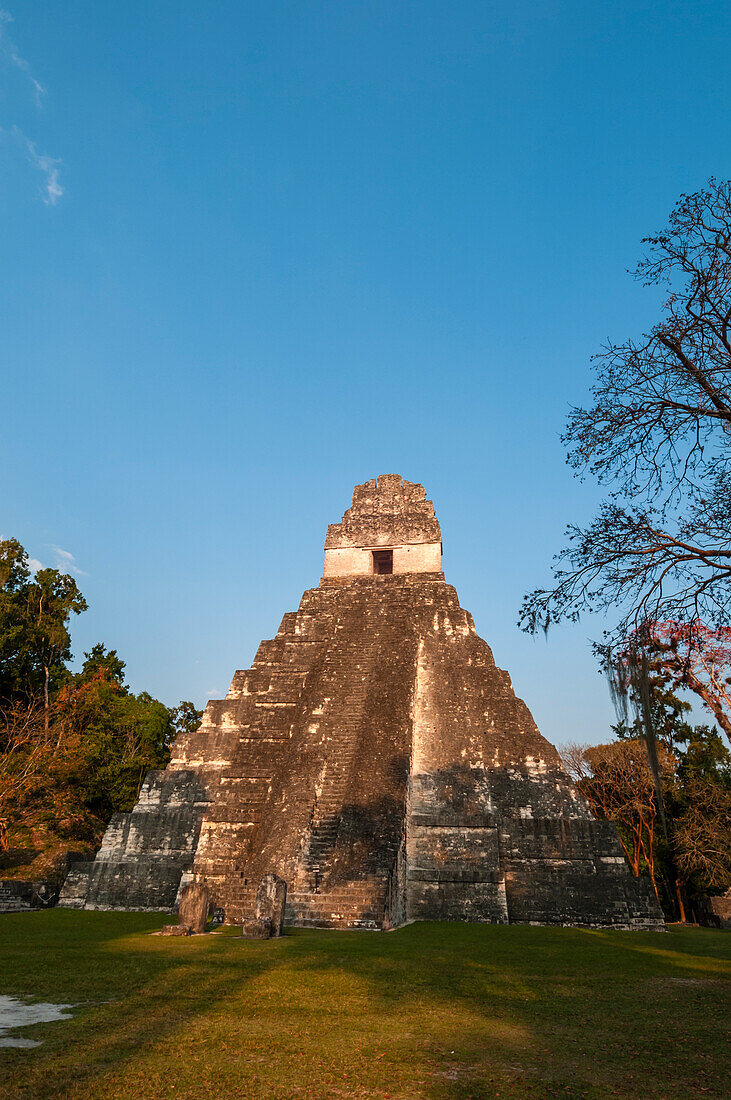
438 1011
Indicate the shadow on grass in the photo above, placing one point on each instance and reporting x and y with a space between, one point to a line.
526 1011
444 1012
130 991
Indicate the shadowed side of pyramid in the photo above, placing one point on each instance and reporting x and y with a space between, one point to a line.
376 759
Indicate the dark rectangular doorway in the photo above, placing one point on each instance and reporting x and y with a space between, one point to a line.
382 561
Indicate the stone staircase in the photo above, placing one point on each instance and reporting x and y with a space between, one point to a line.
359 654
297 794
359 904
259 709
315 900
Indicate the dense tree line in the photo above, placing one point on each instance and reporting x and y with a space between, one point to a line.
74 746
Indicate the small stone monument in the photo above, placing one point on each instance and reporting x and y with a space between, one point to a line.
174 930
268 910
270 899
257 930
193 910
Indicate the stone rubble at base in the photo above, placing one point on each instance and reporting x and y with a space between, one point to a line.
377 761
18 895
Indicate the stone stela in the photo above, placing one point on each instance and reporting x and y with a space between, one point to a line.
374 759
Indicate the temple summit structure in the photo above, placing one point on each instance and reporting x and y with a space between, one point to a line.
376 759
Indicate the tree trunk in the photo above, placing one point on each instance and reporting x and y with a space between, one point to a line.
681 907
712 702
636 852
649 854
686 677
45 698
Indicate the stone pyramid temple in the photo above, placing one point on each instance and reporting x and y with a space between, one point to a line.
376 759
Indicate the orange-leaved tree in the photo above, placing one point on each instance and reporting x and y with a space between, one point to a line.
618 783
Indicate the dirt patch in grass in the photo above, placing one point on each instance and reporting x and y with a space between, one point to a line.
433 1011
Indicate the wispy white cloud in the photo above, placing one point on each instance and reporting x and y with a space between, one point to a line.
66 560
10 51
51 189
215 694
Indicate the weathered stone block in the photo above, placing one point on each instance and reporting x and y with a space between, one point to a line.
76 886
193 910
451 853
175 930
271 898
17 895
258 929
143 853
720 906
458 901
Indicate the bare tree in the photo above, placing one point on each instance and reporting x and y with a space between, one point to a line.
657 433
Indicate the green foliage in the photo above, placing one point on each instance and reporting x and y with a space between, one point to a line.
705 756
122 737
74 747
100 659
186 718
35 642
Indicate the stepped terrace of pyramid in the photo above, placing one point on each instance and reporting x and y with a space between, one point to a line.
376 759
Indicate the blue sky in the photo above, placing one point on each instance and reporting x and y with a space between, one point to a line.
254 253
